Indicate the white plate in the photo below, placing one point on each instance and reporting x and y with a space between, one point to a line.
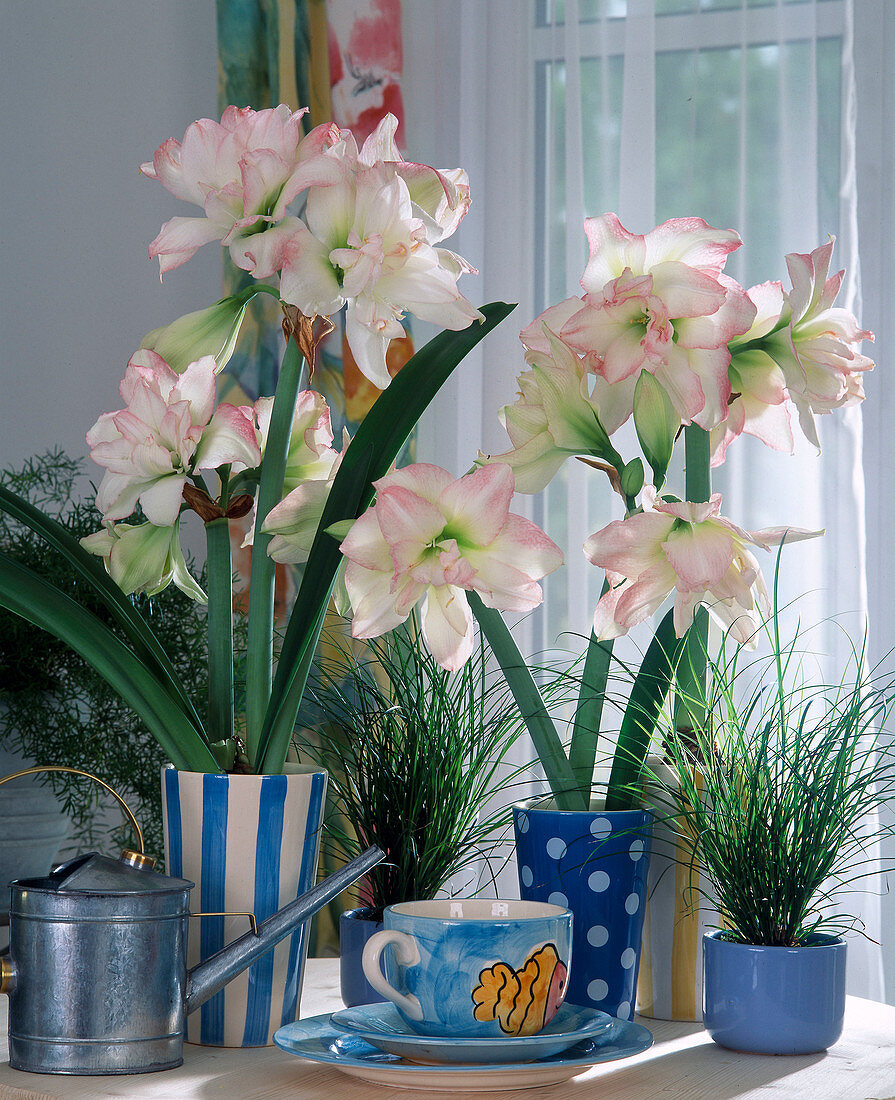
316 1040
382 1026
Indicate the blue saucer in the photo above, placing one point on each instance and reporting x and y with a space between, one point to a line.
382 1026
316 1040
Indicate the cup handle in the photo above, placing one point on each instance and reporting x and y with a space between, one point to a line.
407 954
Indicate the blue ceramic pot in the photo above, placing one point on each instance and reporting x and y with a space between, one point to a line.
355 928
774 1000
594 863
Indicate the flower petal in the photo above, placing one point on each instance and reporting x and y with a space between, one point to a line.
446 622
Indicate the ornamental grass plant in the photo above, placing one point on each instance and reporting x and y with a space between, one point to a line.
414 754
777 799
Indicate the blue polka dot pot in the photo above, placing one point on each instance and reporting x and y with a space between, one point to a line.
594 863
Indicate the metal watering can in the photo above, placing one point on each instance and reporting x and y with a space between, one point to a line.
96 974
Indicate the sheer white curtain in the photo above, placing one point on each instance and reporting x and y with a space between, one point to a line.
739 111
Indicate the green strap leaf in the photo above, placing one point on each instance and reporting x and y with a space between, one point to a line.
146 646
25 593
376 444
644 705
300 643
589 711
563 782
259 659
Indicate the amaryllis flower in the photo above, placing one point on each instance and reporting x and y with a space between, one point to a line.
430 538
144 558
688 549
369 241
659 302
151 446
758 400
556 415
310 458
243 171
800 350
310 452
294 521
820 360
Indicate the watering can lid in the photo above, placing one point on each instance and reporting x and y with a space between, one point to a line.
97 874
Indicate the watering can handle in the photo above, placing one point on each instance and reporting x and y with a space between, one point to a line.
139 858
210 976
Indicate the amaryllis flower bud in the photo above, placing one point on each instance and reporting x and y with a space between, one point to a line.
144 558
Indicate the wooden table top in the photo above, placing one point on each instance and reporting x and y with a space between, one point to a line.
683 1064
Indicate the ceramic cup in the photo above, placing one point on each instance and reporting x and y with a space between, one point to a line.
479 968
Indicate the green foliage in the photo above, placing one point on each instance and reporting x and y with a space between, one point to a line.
776 804
414 755
54 707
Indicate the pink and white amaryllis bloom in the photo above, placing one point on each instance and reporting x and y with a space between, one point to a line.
168 429
365 243
311 465
293 522
690 550
243 171
824 370
759 404
555 416
310 452
430 538
659 302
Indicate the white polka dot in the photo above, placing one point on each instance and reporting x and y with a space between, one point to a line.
522 823
556 847
624 1010
559 898
601 827
632 904
598 882
597 990
636 851
598 935
526 876
629 957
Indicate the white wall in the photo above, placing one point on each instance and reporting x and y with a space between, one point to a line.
89 89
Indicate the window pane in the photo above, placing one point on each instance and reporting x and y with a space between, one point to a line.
550 12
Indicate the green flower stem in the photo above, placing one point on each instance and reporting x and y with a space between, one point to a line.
690 711
259 661
220 630
562 779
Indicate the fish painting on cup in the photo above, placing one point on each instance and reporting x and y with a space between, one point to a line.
478 968
522 1001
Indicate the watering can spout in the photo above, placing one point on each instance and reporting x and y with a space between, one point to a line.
210 976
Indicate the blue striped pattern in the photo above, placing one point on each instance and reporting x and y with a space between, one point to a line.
267 882
174 864
251 873
308 867
214 861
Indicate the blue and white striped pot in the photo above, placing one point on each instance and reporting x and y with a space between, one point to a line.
250 843
594 863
